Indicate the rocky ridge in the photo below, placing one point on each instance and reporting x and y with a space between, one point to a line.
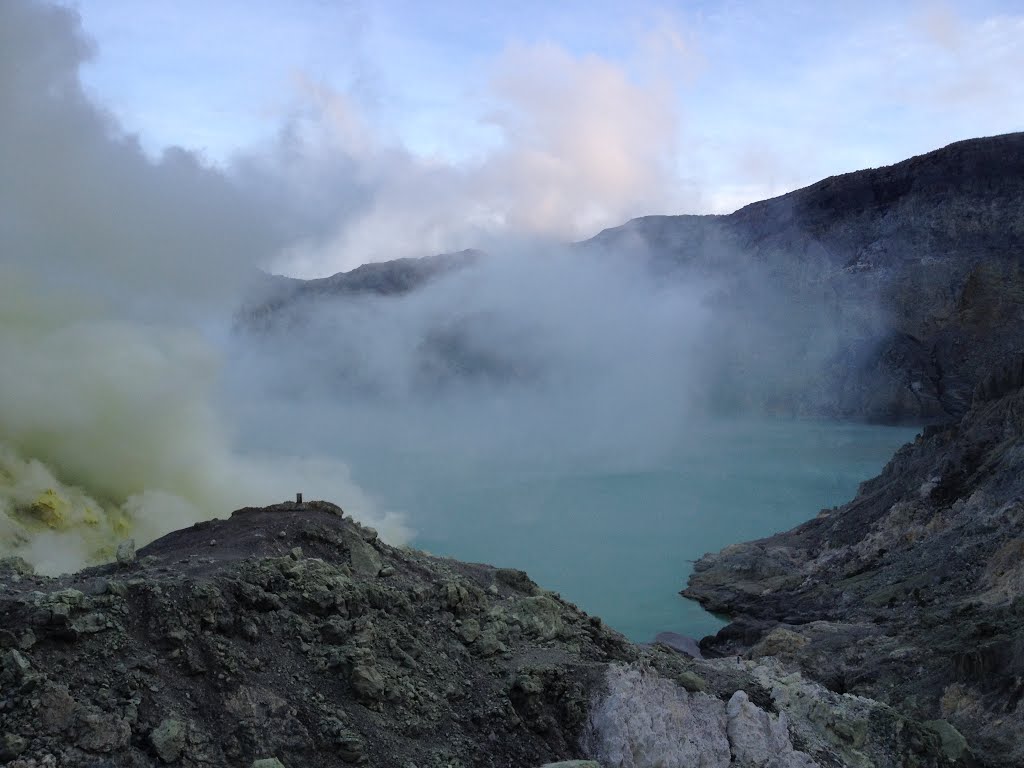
291 636
912 593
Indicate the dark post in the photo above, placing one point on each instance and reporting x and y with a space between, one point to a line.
298 498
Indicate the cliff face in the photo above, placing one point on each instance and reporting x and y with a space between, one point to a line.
290 636
917 268
913 593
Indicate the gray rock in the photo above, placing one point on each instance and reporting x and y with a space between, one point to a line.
680 643
469 631
168 739
12 745
691 681
954 745
101 732
540 616
365 559
13 564
645 720
73 598
758 739
314 658
367 682
15 665
56 708
126 552
90 623
350 747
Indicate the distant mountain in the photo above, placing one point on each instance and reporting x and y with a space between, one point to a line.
275 296
883 295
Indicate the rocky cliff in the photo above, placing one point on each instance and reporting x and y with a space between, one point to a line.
291 636
917 269
913 593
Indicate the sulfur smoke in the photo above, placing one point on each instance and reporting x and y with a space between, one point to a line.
117 280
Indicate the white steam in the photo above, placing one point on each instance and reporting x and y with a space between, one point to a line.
580 145
536 356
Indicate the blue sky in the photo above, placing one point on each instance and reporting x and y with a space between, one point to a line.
616 108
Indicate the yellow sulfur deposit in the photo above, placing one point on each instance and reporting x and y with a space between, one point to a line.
51 509
54 525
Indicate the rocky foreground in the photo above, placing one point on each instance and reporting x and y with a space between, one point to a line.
291 636
913 593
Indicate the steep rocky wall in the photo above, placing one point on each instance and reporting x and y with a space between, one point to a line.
916 267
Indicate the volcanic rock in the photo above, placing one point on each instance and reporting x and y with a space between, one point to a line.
249 653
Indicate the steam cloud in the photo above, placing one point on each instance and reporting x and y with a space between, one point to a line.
525 357
117 275
581 146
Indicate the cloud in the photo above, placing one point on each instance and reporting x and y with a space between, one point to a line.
878 88
581 144
584 144
945 60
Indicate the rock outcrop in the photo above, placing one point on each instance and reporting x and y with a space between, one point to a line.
913 593
291 636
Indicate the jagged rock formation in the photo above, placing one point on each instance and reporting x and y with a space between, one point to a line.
290 636
913 593
882 295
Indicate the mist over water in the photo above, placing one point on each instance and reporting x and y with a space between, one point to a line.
550 412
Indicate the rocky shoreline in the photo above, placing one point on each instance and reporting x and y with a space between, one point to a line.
291 636
911 593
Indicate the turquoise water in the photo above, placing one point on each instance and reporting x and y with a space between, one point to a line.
620 542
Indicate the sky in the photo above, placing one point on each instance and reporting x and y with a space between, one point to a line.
445 124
